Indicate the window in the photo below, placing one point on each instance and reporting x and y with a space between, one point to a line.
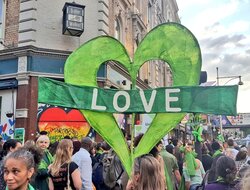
118 30
2 17
139 5
150 15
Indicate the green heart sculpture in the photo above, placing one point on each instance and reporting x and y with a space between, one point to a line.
172 43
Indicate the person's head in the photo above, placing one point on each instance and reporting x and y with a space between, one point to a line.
226 169
215 146
147 174
241 155
99 146
204 149
175 142
29 143
93 149
87 143
11 145
189 146
52 148
63 155
169 148
43 142
156 149
230 142
19 166
105 146
77 146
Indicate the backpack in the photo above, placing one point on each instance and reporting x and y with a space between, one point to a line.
112 170
97 173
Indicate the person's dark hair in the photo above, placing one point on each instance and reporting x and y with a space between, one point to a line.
124 132
242 146
230 142
11 143
76 146
137 139
105 146
215 146
52 148
226 168
204 149
87 143
170 149
241 155
154 150
175 142
43 133
99 146
31 155
67 137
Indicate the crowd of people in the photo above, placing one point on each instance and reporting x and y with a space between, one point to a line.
87 165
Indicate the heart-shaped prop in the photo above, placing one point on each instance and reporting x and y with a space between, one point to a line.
172 43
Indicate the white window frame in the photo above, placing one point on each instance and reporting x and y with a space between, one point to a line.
118 33
2 20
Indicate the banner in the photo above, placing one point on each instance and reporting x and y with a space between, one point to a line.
214 99
19 134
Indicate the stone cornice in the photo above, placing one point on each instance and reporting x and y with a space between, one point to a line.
31 50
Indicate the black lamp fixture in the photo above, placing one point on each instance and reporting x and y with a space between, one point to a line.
240 81
73 19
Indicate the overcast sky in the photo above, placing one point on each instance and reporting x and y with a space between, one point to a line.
222 28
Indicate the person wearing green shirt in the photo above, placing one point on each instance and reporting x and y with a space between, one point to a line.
193 170
172 173
41 178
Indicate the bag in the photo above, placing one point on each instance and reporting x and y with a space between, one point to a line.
204 182
68 180
97 173
112 170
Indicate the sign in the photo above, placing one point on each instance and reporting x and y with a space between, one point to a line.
240 119
19 134
161 100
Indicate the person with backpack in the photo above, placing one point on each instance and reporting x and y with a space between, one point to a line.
97 170
114 175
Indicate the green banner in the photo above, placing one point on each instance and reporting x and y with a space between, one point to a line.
219 100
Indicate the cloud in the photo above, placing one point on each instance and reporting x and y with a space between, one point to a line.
223 41
223 30
248 51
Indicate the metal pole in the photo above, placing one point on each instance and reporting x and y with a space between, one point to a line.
217 72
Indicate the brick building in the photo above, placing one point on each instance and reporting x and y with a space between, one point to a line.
33 45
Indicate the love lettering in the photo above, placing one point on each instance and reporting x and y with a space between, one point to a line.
161 100
147 105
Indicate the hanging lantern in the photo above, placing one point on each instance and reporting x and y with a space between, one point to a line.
73 19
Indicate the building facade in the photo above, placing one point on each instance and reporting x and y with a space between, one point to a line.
32 44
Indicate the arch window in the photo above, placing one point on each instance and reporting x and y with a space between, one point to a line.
118 30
